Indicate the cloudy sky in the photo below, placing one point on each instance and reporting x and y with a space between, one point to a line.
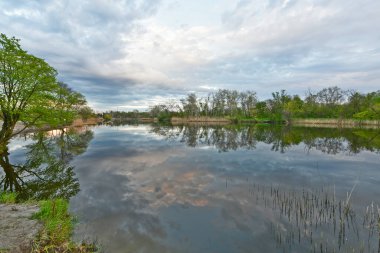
130 54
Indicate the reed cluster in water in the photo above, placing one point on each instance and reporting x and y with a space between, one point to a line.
318 221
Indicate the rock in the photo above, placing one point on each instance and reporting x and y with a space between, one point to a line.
17 229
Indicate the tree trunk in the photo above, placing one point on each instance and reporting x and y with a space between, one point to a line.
11 182
6 132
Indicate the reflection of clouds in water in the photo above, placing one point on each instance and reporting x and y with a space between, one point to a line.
118 221
108 204
15 147
138 130
150 192
206 147
177 180
153 158
170 186
18 144
161 179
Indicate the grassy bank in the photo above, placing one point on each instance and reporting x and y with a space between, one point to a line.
200 120
255 120
58 228
321 122
58 225
86 122
336 122
224 120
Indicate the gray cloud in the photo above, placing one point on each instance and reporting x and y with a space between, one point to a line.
78 38
121 54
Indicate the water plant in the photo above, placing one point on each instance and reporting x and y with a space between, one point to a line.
314 220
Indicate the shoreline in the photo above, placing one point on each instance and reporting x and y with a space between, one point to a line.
75 123
200 120
34 226
220 120
336 123
327 123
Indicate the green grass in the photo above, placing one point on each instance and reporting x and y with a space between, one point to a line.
58 227
58 222
8 197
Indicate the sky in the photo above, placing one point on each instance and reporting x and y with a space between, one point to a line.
132 54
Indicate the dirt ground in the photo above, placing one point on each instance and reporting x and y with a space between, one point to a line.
17 229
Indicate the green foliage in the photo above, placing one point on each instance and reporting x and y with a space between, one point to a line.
8 197
262 110
107 117
162 112
372 110
277 104
27 86
30 93
86 112
190 105
294 106
363 115
66 106
331 102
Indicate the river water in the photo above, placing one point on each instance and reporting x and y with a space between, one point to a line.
152 188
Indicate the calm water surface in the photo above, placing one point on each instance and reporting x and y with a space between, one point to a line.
225 189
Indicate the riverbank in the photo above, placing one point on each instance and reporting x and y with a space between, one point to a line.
76 123
86 122
177 120
343 123
134 120
44 226
221 120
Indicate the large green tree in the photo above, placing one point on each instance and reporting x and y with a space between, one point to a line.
29 92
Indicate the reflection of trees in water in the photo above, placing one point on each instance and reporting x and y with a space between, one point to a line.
46 172
334 141
225 138
232 137
327 145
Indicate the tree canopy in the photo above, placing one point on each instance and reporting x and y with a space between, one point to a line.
331 102
30 92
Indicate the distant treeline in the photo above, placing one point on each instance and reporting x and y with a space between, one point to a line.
332 102
121 115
